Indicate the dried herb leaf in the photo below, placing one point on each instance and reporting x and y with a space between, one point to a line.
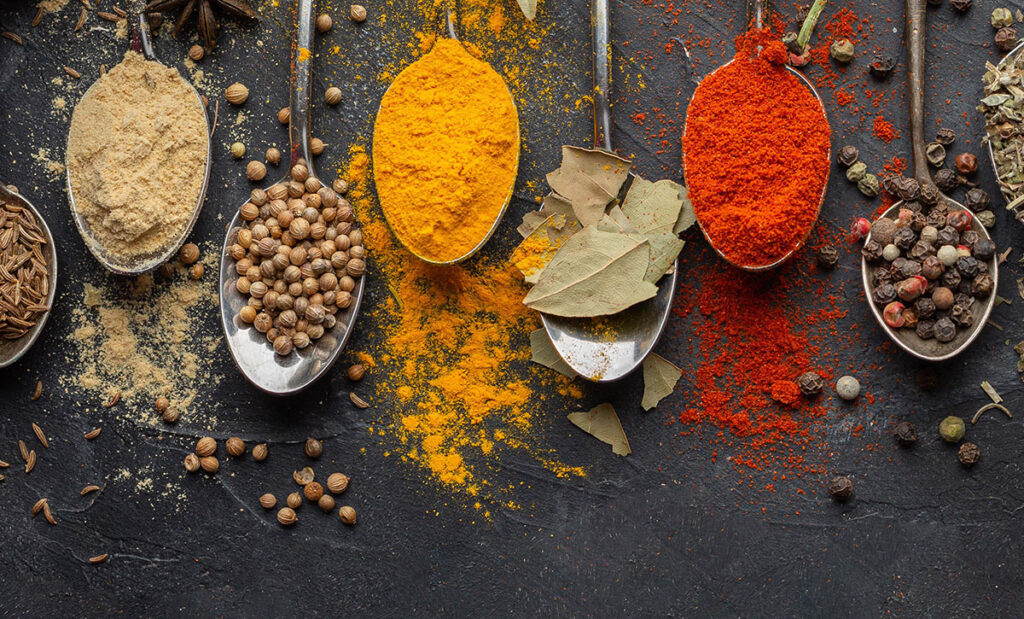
542 351
594 273
660 378
664 249
529 8
532 256
654 208
552 205
602 423
590 180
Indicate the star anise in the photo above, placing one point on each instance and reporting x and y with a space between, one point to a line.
205 15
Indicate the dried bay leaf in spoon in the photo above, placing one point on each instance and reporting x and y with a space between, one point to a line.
658 207
602 423
552 205
590 180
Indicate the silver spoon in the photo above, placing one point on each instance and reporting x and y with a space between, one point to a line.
145 263
12 350
452 34
1016 206
585 344
757 9
249 348
907 339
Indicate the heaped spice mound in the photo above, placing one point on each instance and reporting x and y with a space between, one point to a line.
756 152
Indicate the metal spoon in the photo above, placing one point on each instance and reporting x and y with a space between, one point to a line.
607 350
249 348
756 8
452 34
907 339
12 350
141 39
1016 206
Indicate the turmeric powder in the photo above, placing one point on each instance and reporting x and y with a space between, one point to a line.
445 152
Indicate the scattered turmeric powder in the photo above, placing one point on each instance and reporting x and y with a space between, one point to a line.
445 152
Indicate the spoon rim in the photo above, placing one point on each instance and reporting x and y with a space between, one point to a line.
30 338
988 143
980 322
758 268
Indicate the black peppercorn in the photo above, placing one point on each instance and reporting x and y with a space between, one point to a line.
924 307
946 180
961 5
942 208
872 251
828 257
982 286
895 266
925 329
945 136
882 65
963 299
847 155
1006 38
932 268
841 488
929 194
913 206
936 219
968 454
905 238
967 266
904 433
935 153
976 199
984 249
880 276
920 251
909 268
962 316
884 294
958 220
935 2
968 238
907 188
945 330
966 164
889 184
982 267
948 235
950 279
810 383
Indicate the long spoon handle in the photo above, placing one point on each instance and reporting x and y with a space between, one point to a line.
600 27
142 42
915 85
302 64
756 11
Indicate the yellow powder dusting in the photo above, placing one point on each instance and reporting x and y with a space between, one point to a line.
137 152
52 6
445 151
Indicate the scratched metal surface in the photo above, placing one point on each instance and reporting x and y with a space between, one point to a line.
666 531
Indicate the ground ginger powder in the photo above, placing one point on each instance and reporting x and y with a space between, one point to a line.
136 157
445 152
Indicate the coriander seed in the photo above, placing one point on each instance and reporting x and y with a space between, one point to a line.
357 13
255 171
273 156
161 404
268 501
316 146
337 483
332 96
196 272
210 464
170 415
196 53
191 463
236 93
237 150
294 500
285 115
304 476
347 514
326 503
286 516
313 491
324 22
314 448
260 452
356 372
188 254
206 446
235 446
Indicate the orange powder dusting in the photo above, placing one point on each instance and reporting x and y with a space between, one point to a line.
884 130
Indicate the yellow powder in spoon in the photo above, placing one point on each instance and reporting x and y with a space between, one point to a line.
136 157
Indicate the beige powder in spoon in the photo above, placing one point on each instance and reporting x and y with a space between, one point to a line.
136 157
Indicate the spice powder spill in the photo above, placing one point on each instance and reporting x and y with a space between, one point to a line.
136 157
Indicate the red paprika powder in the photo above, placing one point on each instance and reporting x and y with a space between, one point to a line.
756 151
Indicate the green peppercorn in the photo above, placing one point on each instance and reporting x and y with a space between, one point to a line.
856 171
952 429
841 50
1001 18
987 218
869 185
936 154
968 454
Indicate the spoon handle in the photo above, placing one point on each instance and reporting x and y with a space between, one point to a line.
302 64
915 85
756 11
599 21
142 42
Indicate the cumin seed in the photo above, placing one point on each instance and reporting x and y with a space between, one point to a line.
39 389
38 507
31 462
113 398
91 434
88 489
81 20
23 450
40 435
72 72
10 36
48 514
99 559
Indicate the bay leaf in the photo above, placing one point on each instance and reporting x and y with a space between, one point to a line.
653 207
551 205
590 179
687 217
529 8
616 221
664 249
542 351
594 273
536 251
660 378
602 423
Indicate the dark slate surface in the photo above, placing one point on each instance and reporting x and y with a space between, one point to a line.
664 532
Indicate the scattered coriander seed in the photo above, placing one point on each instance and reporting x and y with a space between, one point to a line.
206 446
304 476
170 415
313 491
237 150
260 452
294 500
268 501
347 514
196 272
314 448
356 372
188 254
357 13
273 156
316 146
968 454
326 503
952 429
848 388
286 516
236 93
340 186
161 404
235 446
210 464
192 463
255 171
841 488
905 434
324 22
285 115
196 53
337 483
332 96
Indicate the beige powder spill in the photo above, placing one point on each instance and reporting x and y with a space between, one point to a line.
52 6
136 156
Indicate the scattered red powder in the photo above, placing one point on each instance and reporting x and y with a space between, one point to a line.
884 130
786 392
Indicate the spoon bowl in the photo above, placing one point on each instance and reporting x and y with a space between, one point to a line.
142 264
12 350
252 353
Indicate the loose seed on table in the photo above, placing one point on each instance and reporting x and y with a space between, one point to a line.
968 454
358 401
113 398
188 254
235 446
273 156
99 559
841 488
326 503
356 371
952 429
848 388
196 53
210 464
196 272
357 13
332 96
347 514
91 434
192 463
313 491
285 115
89 489
38 507
304 476
40 435
236 93
23 450
237 150
170 415
316 146
905 433
162 403
255 171
206 446
337 483
259 452
314 448
324 22
268 501
287 517
38 390
30 463
294 500
48 514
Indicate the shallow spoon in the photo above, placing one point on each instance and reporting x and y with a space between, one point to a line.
141 42
253 354
609 349
12 350
907 339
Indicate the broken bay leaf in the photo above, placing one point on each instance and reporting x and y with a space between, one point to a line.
590 179
532 256
594 273
660 378
542 351
687 217
529 8
653 207
615 221
552 205
602 423
664 249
